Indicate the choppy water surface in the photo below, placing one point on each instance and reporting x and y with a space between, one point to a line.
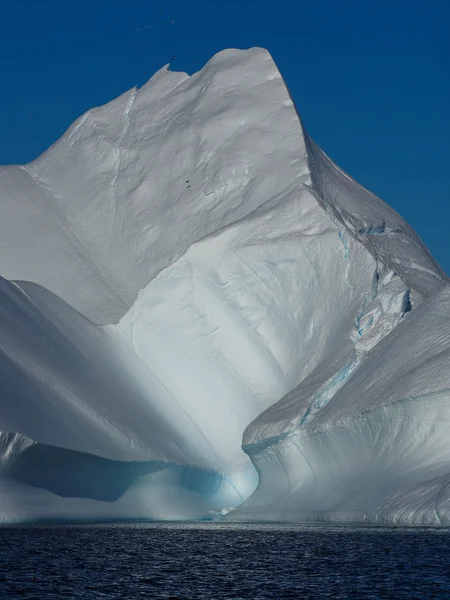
222 561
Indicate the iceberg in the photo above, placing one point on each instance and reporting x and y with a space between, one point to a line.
203 317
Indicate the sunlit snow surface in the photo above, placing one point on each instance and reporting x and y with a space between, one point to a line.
201 315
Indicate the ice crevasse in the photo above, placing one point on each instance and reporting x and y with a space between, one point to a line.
202 317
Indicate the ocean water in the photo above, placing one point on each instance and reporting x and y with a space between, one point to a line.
208 561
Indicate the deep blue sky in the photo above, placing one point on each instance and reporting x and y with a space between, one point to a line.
371 78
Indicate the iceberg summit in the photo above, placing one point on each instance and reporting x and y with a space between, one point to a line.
203 317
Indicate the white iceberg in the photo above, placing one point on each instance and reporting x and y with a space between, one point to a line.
203 316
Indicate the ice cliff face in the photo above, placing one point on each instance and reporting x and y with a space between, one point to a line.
200 312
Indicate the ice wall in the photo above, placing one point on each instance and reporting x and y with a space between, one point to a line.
389 464
185 274
132 184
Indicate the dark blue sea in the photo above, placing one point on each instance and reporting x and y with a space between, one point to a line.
240 562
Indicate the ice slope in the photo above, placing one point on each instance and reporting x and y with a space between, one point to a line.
185 265
363 437
133 184
378 449
374 223
81 418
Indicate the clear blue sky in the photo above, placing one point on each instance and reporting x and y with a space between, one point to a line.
371 78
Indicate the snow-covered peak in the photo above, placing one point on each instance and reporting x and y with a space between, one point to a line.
133 183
